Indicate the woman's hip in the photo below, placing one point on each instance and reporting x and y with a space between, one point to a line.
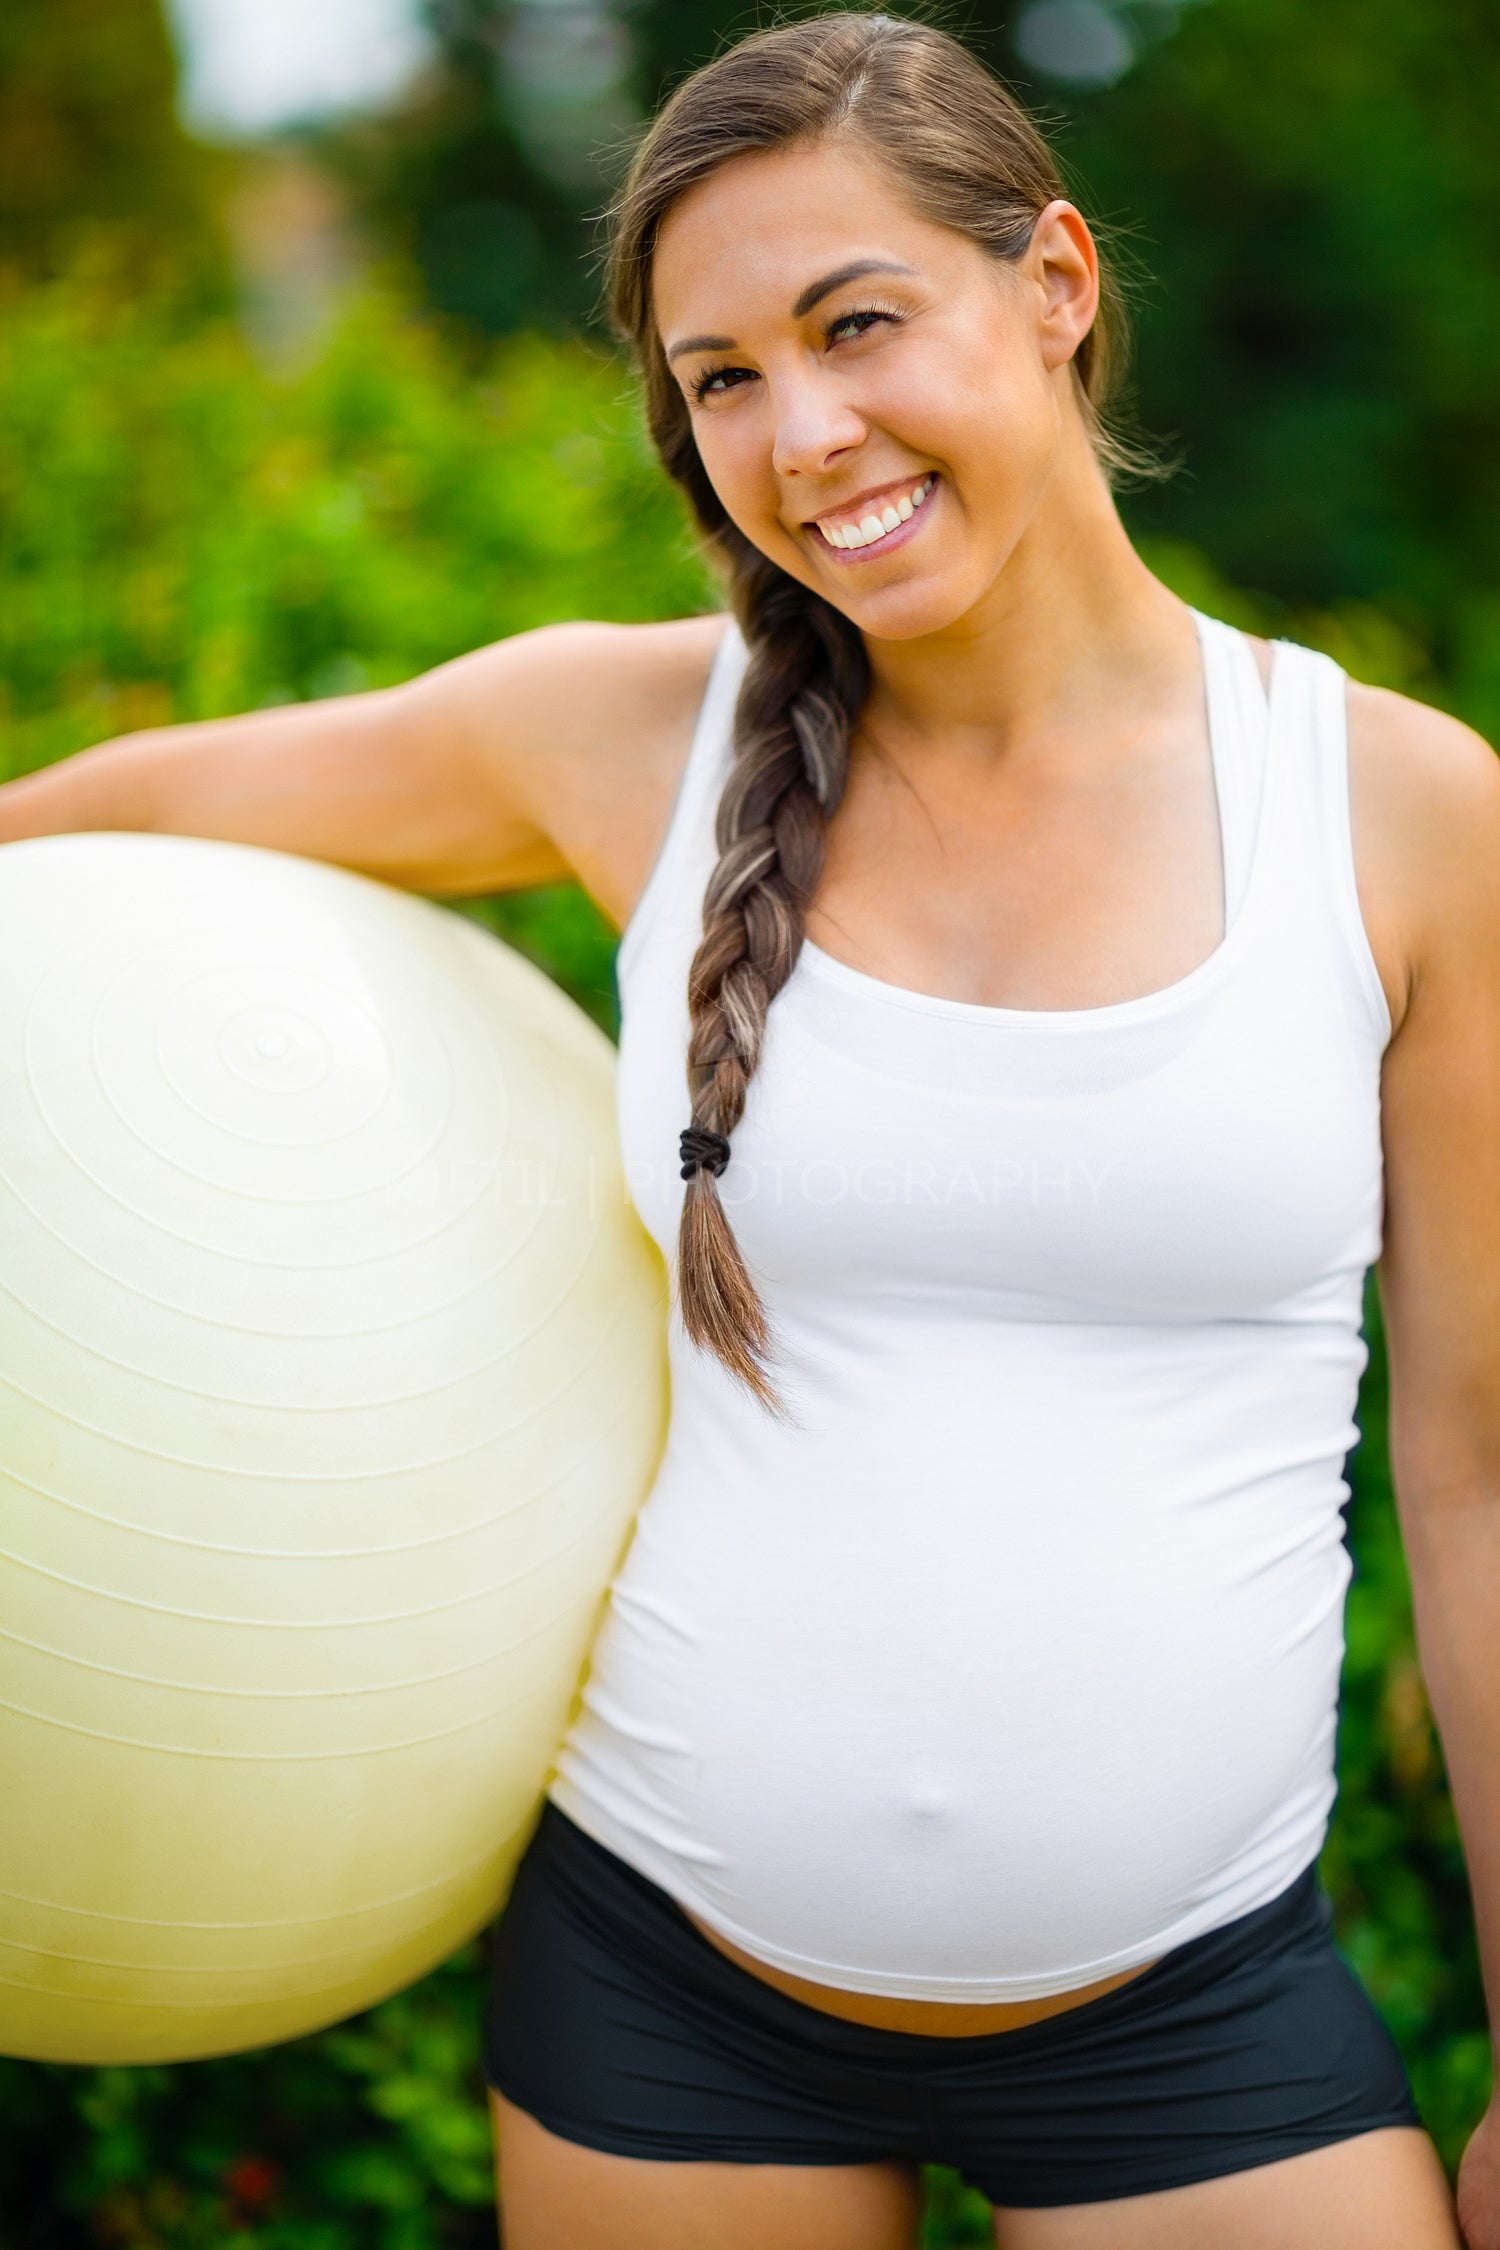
615 2023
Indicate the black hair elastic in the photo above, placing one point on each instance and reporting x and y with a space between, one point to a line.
703 1151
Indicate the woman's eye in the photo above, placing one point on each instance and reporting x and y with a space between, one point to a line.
858 323
716 381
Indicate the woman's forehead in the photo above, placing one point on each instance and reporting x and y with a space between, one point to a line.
762 229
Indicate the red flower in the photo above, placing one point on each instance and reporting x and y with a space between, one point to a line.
252 2180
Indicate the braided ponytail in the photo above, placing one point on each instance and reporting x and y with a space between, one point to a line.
804 685
968 156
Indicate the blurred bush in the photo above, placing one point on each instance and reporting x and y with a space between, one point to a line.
93 150
1314 193
187 535
183 534
372 2136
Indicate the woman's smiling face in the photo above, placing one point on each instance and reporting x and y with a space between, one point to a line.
878 402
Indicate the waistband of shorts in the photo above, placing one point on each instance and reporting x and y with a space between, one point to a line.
614 1903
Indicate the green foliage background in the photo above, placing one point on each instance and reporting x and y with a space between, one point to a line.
186 533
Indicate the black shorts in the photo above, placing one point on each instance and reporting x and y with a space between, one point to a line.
615 2023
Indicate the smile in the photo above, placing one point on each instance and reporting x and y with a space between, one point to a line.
879 522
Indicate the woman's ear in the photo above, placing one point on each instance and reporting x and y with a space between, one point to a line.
1064 266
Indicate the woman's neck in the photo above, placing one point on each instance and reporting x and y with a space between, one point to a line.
1074 628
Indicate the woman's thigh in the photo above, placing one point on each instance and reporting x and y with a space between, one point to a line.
556 2195
1383 2190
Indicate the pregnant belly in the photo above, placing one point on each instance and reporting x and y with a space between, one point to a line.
932 1735
930 2019
984 1802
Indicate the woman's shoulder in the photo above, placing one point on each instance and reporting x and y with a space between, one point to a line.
583 730
624 701
1424 792
590 686
601 655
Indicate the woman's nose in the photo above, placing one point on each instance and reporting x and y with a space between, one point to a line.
814 423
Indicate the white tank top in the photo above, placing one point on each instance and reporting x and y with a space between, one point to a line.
1013 1661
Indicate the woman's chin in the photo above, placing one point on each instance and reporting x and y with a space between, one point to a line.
902 604
904 611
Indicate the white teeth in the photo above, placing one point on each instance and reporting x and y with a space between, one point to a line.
873 527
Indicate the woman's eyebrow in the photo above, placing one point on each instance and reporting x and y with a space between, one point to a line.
701 344
816 291
812 295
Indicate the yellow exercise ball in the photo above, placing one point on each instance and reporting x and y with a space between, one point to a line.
332 1371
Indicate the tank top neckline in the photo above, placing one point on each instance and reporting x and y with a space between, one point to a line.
1143 1006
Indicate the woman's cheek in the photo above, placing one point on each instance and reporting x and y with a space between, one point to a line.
735 456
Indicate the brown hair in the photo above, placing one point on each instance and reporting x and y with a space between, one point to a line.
968 156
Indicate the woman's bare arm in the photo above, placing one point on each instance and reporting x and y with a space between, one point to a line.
1440 1293
555 753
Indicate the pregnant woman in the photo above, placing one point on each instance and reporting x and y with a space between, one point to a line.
1042 1005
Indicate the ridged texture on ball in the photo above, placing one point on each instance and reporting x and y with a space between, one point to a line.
332 1371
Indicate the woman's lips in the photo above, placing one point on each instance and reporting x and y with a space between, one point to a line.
865 517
